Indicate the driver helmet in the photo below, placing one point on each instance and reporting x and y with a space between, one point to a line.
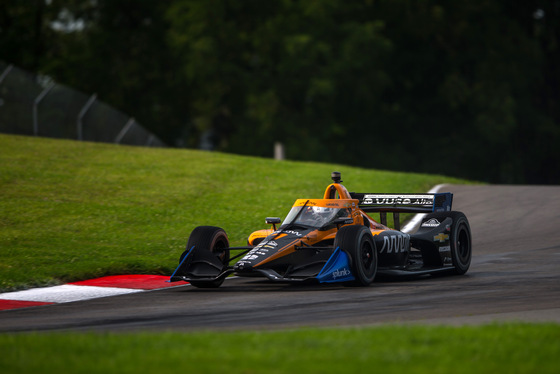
321 210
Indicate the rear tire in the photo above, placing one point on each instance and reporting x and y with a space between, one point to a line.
357 242
213 239
460 242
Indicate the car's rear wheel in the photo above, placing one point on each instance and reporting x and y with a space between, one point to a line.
357 242
213 239
460 242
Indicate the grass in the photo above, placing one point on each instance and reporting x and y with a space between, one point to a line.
509 348
74 210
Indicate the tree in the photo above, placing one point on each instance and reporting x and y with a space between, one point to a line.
465 88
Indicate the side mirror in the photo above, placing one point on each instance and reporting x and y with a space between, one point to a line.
343 221
273 221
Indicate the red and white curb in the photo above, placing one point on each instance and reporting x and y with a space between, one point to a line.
84 290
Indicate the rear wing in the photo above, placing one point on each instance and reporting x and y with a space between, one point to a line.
403 203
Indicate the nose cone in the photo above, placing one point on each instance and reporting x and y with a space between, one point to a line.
243 266
273 247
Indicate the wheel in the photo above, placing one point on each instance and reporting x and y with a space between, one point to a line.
357 242
213 239
460 242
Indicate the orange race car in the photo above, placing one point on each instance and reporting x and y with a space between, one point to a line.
334 240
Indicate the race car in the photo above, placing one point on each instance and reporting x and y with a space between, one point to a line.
334 240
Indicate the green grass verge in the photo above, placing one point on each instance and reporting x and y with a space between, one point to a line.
74 210
509 348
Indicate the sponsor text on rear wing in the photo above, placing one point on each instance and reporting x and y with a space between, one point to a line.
403 203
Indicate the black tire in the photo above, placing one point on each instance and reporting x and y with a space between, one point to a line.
357 242
461 243
213 239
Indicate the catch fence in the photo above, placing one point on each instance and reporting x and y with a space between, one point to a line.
33 104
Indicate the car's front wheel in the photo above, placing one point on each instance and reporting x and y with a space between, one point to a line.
213 239
358 244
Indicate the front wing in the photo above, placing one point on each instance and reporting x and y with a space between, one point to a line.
201 266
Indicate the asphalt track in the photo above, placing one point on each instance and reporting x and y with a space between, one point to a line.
514 275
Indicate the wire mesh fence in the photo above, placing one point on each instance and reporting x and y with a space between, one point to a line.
32 104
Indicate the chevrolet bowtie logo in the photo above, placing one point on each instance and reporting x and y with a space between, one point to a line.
441 237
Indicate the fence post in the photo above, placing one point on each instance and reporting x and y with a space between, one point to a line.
124 130
35 110
5 73
81 115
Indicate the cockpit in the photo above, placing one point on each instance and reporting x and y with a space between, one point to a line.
315 216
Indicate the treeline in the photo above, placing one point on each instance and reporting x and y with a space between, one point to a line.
468 88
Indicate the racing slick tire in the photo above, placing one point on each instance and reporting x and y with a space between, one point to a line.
461 243
358 244
216 241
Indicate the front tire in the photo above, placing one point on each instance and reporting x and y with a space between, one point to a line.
357 242
213 239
